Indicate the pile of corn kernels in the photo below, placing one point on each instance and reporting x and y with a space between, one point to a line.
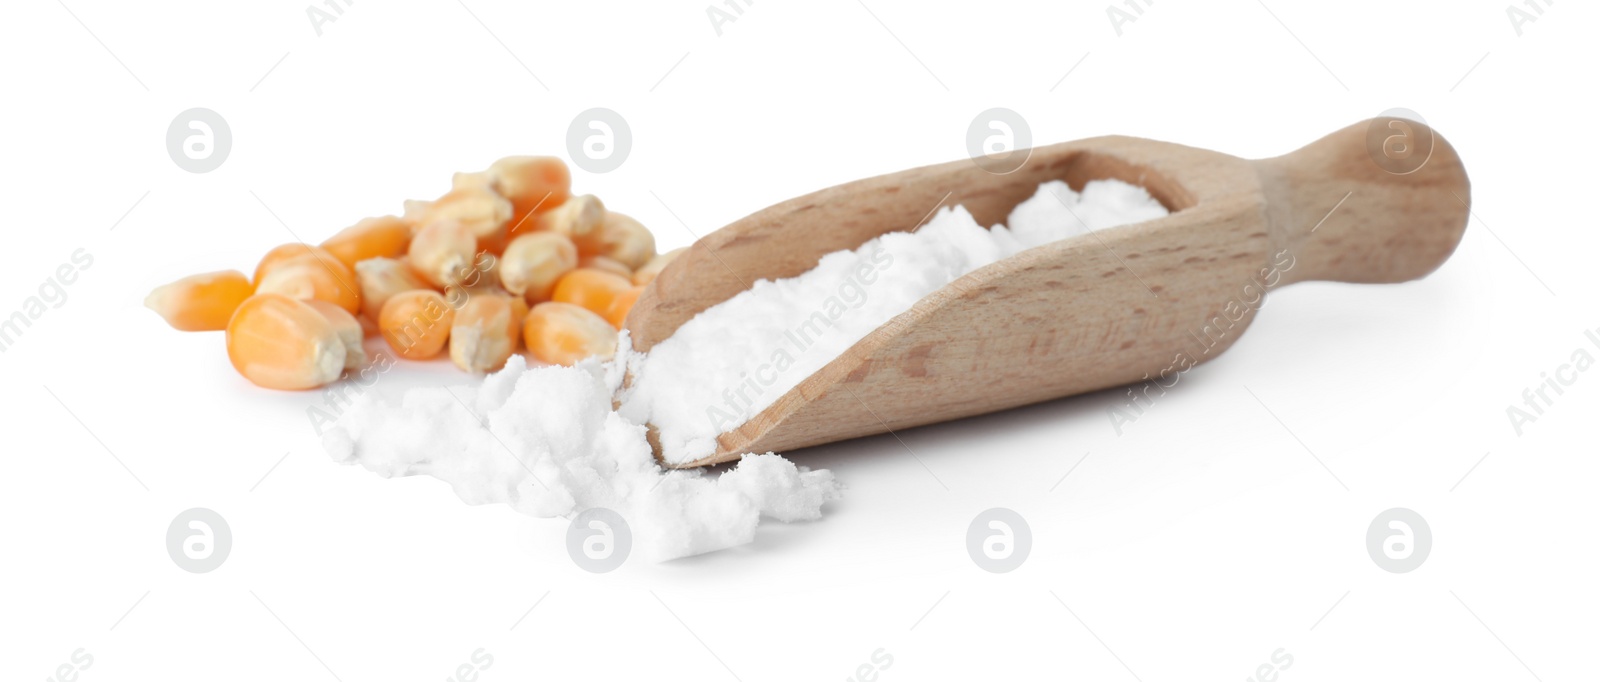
507 257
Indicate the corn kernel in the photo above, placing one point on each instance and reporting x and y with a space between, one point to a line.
485 332
621 238
278 342
563 334
200 303
284 253
534 262
534 184
416 323
347 328
381 278
591 289
519 315
382 237
442 253
611 265
480 179
484 273
311 276
412 213
576 218
478 208
483 281
519 311
617 313
647 274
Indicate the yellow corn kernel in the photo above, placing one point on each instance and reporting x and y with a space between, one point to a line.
485 332
519 312
311 276
382 237
591 289
519 315
414 210
442 253
200 303
647 274
278 342
472 180
416 323
284 253
381 278
576 218
483 281
621 238
534 184
348 330
617 312
484 273
534 262
563 334
476 207
611 265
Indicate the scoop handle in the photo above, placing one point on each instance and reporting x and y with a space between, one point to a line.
1384 200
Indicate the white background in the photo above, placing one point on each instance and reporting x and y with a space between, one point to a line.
1193 545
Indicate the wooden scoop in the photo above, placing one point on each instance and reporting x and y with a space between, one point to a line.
1384 200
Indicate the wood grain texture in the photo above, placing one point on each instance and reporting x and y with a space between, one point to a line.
1129 304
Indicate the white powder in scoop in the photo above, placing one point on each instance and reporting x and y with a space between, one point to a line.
736 358
547 442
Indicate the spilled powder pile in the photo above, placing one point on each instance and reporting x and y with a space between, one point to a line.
547 442
733 360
